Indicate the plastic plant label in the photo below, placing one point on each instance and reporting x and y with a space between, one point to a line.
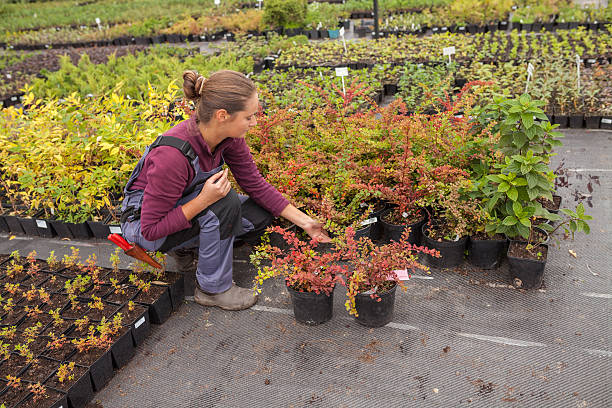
8 76
606 121
139 322
363 205
342 71
591 60
13 98
41 223
405 214
341 31
319 26
402 274
98 20
114 229
462 28
368 221
448 50
52 211
217 2
530 68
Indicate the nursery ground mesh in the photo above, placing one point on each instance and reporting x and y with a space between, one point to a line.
459 337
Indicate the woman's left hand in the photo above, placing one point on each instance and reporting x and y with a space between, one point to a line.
315 230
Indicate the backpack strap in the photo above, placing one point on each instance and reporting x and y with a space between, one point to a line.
182 145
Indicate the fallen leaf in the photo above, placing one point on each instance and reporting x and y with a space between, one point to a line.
572 253
446 349
11 237
435 390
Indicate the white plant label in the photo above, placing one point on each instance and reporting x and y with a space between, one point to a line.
98 20
405 214
368 221
342 72
606 121
8 76
319 26
13 98
259 3
342 36
52 211
41 223
448 51
529 75
217 2
114 230
321 74
139 322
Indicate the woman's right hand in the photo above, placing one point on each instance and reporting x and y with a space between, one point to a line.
216 187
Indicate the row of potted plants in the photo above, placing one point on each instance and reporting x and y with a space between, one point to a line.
449 181
66 324
489 47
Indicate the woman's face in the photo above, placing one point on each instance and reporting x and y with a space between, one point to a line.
240 122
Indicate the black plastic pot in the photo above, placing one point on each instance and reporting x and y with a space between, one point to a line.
485 254
44 228
390 89
311 308
451 251
606 122
374 313
313 34
526 273
365 231
592 122
79 230
561 120
80 392
98 229
29 226
576 121
177 290
394 232
140 328
123 349
160 309
3 225
13 224
101 371
61 229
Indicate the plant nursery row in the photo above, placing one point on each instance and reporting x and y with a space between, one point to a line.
66 324
289 17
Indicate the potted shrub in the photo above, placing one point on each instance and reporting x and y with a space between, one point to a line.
371 280
453 213
310 276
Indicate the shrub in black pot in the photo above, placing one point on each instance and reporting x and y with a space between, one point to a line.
486 251
310 275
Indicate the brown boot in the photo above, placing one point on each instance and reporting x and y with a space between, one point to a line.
235 298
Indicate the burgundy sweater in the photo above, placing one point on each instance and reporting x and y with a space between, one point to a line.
167 172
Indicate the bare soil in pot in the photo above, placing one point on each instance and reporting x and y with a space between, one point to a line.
535 236
40 370
122 295
13 365
51 396
107 311
550 205
395 217
54 382
519 250
12 396
57 328
150 296
482 236
55 284
130 316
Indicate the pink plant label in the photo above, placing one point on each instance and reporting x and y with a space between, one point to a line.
402 274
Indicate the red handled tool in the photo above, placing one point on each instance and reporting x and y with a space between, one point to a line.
133 250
